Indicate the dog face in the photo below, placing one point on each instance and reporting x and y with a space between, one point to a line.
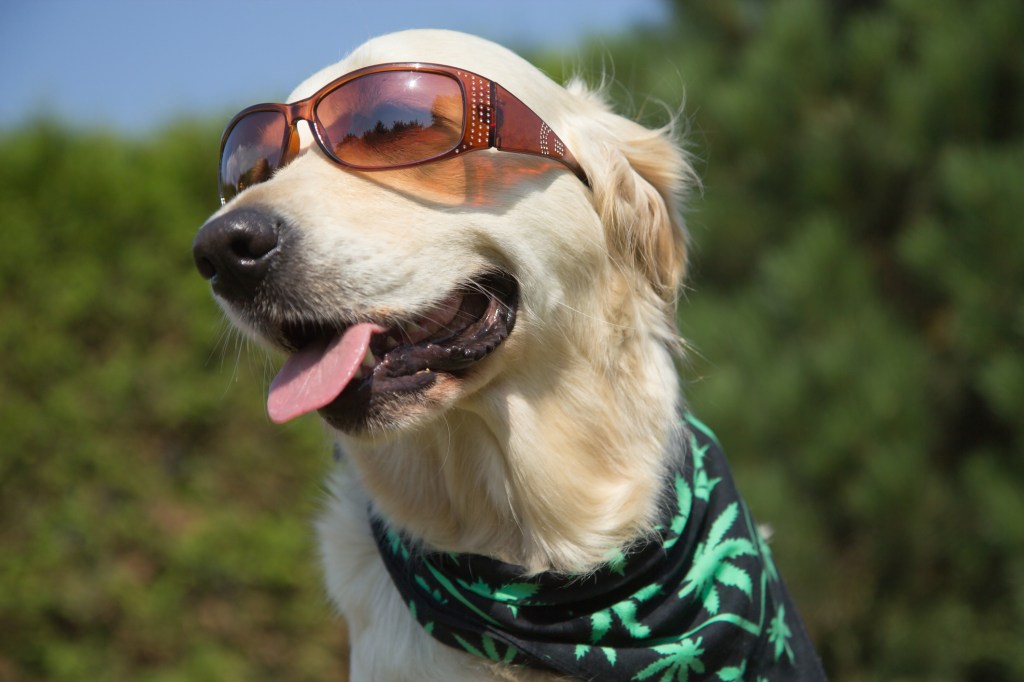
403 293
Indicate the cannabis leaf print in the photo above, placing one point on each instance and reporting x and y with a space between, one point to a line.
488 650
677 660
711 562
625 611
734 673
684 502
703 485
511 594
779 634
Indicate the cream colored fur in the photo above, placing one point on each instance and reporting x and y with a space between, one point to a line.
551 455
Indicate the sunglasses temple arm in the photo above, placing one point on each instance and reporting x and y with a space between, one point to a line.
291 145
518 129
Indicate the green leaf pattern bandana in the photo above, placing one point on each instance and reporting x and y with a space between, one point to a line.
701 600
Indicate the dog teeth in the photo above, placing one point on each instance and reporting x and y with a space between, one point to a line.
366 366
390 343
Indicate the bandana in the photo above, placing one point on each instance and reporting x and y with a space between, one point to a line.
700 600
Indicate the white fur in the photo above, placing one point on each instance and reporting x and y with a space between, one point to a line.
550 456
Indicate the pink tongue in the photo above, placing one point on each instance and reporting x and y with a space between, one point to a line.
318 373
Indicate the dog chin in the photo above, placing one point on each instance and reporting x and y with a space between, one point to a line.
371 408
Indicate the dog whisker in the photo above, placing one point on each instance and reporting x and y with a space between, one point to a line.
595 318
220 345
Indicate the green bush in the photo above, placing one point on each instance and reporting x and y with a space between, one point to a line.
154 523
855 314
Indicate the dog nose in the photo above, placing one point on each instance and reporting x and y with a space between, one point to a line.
235 250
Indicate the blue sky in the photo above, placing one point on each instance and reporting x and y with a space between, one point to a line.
134 64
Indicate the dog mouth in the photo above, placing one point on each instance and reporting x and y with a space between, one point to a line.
346 371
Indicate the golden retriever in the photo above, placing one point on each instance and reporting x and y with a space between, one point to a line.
509 391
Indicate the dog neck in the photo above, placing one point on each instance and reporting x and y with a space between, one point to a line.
702 594
554 477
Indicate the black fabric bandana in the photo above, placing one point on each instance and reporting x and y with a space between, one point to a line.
702 600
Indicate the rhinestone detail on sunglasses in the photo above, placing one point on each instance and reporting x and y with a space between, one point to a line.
263 138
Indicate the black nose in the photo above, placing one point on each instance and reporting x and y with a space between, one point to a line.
235 250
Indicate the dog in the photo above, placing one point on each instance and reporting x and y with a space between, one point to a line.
479 299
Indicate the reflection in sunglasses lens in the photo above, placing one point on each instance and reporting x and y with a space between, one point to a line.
252 152
392 118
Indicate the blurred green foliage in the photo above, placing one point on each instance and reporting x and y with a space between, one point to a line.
154 525
855 312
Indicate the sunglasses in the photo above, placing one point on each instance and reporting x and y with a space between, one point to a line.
387 116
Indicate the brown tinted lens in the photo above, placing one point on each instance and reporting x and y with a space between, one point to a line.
392 118
252 151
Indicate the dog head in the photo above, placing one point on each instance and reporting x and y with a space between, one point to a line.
400 294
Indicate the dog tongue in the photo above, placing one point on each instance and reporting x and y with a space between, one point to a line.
317 374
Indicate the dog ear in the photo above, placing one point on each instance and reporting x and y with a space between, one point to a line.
639 177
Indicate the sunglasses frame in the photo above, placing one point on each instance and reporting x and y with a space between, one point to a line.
493 118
